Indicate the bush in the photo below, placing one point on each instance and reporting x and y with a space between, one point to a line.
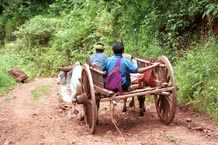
33 46
6 81
37 31
196 76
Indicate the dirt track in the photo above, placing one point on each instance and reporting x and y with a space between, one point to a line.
25 121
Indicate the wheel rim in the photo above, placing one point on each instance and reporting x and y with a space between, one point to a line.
165 104
90 109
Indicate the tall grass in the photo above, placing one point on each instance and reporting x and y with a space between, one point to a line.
197 77
6 80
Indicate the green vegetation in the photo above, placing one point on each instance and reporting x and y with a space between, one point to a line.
197 76
6 81
8 98
39 92
171 138
41 35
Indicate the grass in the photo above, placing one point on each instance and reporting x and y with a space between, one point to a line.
171 138
39 92
6 81
197 76
8 98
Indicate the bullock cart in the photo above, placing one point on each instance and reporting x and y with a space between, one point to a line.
163 90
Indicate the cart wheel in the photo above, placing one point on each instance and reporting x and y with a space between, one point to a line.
165 101
90 110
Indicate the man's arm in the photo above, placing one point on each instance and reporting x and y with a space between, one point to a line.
141 70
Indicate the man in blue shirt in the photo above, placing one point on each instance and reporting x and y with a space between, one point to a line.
126 67
99 57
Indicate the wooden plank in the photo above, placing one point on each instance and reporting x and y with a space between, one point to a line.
97 79
155 91
97 75
103 91
139 90
147 62
142 60
98 71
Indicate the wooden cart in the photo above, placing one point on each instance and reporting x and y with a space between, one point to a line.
164 91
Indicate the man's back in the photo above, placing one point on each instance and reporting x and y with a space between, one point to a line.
98 58
126 67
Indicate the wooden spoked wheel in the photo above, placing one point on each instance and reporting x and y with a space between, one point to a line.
165 101
90 109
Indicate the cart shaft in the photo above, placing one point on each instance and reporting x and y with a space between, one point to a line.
142 92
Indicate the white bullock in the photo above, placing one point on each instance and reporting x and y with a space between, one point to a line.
70 84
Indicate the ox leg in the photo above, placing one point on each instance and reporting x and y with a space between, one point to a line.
141 105
75 111
68 77
124 105
132 103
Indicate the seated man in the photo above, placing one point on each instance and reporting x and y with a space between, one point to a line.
126 66
99 57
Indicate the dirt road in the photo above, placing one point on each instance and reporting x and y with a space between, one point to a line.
33 114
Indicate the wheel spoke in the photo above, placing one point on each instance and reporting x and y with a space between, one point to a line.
166 104
89 111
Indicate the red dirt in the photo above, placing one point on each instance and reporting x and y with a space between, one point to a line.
25 121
